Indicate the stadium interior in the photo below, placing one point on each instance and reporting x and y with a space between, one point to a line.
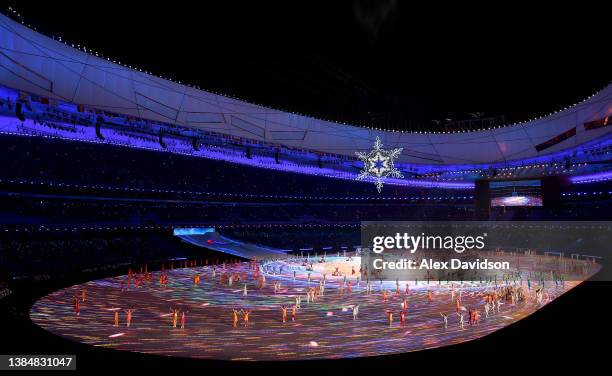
102 163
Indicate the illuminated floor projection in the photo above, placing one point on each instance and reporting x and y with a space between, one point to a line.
235 312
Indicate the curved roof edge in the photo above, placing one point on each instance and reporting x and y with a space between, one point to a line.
37 64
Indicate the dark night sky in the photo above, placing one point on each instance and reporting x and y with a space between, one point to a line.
382 62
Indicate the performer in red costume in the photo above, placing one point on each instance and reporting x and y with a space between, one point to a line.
234 318
128 318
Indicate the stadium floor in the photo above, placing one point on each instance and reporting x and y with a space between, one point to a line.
322 330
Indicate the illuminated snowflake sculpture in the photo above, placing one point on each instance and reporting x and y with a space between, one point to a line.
378 164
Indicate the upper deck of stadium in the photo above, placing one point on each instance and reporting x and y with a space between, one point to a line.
39 65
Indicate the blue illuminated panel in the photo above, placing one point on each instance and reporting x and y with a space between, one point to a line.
193 231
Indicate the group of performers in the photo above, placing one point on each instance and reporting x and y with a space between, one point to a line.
513 292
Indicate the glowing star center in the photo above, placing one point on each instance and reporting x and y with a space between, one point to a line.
378 164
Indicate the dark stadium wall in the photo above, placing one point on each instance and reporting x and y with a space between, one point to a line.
482 199
552 187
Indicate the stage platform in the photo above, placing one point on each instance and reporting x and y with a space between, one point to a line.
324 329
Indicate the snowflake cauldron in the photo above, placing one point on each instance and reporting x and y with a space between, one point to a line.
378 164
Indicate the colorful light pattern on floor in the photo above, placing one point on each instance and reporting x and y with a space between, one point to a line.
324 329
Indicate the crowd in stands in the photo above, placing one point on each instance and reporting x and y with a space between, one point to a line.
81 183
65 120
75 162
58 182
331 239
43 257
583 211
34 210
51 118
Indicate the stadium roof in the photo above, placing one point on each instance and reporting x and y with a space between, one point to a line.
37 64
